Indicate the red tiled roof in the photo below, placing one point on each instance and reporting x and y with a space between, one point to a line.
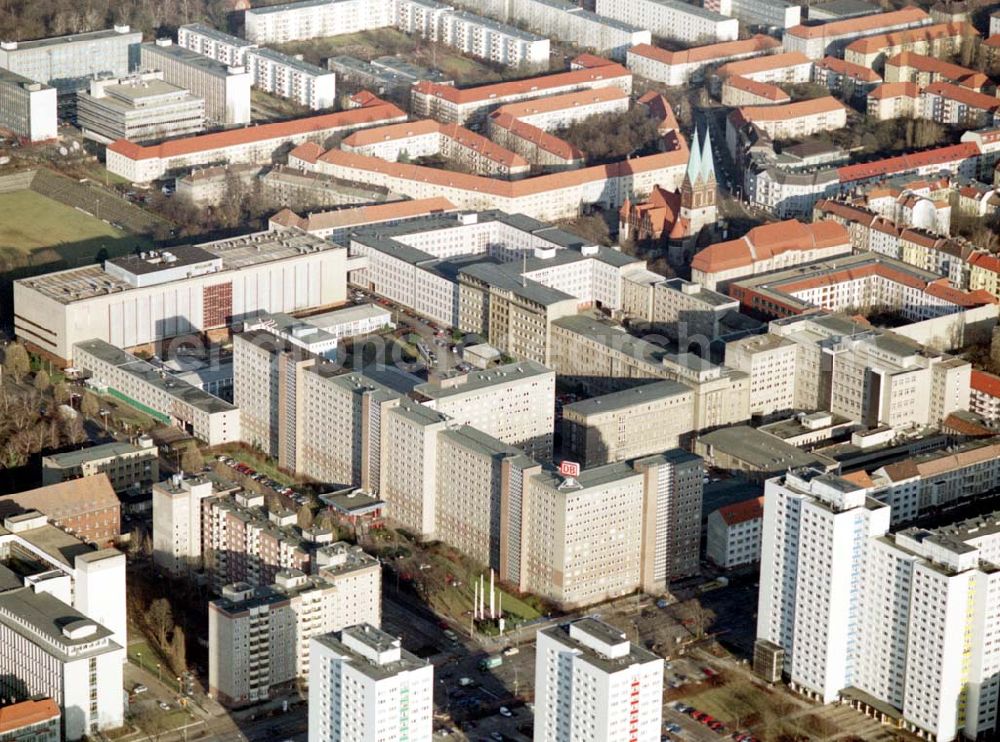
895 90
707 53
986 261
942 289
307 151
461 135
539 137
763 64
740 512
924 63
25 713
590 61
359 215
887 41
843 67
261 132
903 163
860 477
660 108
798 109
963 95
768 240
760 89
852 26
677 157
502 90
561 102
985 383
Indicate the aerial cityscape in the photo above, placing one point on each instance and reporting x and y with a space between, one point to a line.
529 370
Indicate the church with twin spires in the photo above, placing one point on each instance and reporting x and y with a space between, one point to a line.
677 218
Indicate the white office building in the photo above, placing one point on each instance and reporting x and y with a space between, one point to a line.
258 637
68 63
157 394
903 625
177 523
27 108
224 88
592 684
141 299
673 19
140 108
513 403
364 687
48 648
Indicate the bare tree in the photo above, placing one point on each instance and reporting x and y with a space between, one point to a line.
161 620
192 460
16 362
42 381
178 651
305 517
89 405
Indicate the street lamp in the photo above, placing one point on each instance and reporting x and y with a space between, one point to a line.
139 657
159 672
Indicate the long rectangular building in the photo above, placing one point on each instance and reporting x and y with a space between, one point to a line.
672 19
452 105
68 63
225 89
830 38
141 385
27 108
139 300
256 145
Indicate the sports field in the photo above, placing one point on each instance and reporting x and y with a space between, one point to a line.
29 221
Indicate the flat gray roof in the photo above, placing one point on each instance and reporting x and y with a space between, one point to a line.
627 398
47 616
70 459
485 379
760 450
188 57
377 640
213 33
606 634
290 61
78 38
149 374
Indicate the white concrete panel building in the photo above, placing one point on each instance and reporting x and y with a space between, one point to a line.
140 108
27 108
225 89
48 648
141 299
363 686
177 530
288 77
672 19
152 391
309 19
514 403
268 629
592 683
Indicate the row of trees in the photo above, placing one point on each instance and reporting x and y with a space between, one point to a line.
30 416
32 19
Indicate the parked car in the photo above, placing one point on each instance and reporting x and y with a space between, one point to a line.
505 712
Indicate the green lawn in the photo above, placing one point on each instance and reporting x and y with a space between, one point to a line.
30 221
